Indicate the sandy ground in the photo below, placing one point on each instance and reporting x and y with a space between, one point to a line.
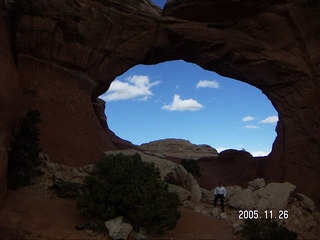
30 214
196 226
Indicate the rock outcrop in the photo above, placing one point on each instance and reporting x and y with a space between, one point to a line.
297 210
63 61
183 194
257 183
273 196
301 219
179 148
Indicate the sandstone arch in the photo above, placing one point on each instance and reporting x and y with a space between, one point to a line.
68 52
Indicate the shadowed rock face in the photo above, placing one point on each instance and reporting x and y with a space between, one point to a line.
68 52
9 100
231 167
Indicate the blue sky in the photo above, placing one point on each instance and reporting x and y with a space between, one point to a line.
181 100
160 3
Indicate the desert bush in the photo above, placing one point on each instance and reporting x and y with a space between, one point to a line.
266 229
23 152
126 186
192 166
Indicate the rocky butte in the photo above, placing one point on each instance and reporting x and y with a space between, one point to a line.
179 148
58 56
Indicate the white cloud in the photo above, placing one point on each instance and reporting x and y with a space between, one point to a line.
135 86
271 119
179 104
208 84
251 126
248 118
259 153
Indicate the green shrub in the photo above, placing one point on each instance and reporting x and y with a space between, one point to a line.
23 154
192 166
126 186
266 229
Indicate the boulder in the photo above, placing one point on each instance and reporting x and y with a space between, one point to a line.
195 206
187 181
273 196
193 186
179 174
140 236
65 189
118 229
52 166
207 196
257 183
304 219
216 212
306 202
231 190
243 200
90 169
44 157
223 216
182 193
237 227
62 172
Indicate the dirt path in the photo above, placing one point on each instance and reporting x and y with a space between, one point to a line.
33 215
42 216
196 226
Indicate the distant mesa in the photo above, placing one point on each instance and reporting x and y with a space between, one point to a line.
179 148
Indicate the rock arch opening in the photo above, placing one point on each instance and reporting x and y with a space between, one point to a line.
181 100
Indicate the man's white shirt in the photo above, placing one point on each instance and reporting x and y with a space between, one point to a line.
220 190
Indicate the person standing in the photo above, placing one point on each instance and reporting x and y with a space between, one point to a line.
219 193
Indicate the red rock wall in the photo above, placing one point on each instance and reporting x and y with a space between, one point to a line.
68 53
70 130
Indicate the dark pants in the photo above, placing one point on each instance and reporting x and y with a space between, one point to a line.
221 197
